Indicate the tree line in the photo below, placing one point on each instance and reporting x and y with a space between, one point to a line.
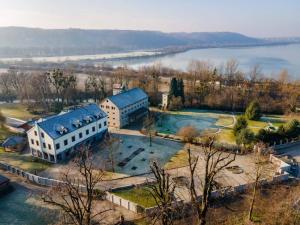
203 85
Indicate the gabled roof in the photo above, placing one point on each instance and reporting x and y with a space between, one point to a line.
13 141
127 98
66 121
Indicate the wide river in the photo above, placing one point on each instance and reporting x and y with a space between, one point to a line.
271 59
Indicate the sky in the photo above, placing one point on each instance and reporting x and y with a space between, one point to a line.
257 18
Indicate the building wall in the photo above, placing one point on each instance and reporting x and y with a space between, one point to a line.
113 113
118 118
49 150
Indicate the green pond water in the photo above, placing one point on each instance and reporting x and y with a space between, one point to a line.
17 208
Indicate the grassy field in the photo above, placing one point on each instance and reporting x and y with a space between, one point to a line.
141 196
24 162
180 159
15 110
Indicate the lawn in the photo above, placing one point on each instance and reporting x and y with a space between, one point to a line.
226 136
15 110
180 159
4 133
140 196
224 121
24 162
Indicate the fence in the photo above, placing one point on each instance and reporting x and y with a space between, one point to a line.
287 144
123 202
43 181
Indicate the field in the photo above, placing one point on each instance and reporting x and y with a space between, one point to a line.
15 110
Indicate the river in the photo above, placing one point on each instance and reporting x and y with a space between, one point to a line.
271 59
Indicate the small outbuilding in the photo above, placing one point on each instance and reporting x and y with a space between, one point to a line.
14 144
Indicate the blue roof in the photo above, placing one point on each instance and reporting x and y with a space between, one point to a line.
12 141
66 120
127 98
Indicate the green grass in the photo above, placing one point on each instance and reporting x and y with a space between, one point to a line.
180 159
140 196
5 133
226 136
15 110
224 121
24 162
257 124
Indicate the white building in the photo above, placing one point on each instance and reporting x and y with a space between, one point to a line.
125 107
165 100
54 138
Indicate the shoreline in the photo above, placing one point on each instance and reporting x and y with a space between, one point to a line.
123 56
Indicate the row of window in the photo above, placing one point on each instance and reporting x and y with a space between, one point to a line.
135 105
73 138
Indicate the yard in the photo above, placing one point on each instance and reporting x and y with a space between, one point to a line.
139 195
16 110
23 161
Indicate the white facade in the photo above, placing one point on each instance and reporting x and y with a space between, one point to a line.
43 146
165 100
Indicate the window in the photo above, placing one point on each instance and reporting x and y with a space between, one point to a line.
44 145
57 146
65 142
37 143
87 132
42 134
32 141
100 126
73 138
35 133
80 135
93 129
104 123
49 146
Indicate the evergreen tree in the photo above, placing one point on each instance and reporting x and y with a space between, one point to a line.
173 88
253 111
240 124
180 90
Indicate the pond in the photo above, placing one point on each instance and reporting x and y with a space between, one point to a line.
171 123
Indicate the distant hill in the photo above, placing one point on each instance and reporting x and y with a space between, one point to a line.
26 42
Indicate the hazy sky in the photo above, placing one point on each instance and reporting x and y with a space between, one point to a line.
261 18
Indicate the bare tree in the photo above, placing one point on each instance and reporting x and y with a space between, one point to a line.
163 193
149 124
113 144
260 170
76 197
215 162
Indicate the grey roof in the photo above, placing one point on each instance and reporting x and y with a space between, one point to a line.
66 120
127 98
13 141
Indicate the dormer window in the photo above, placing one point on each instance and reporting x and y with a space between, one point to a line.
77 123
88 119
62 130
